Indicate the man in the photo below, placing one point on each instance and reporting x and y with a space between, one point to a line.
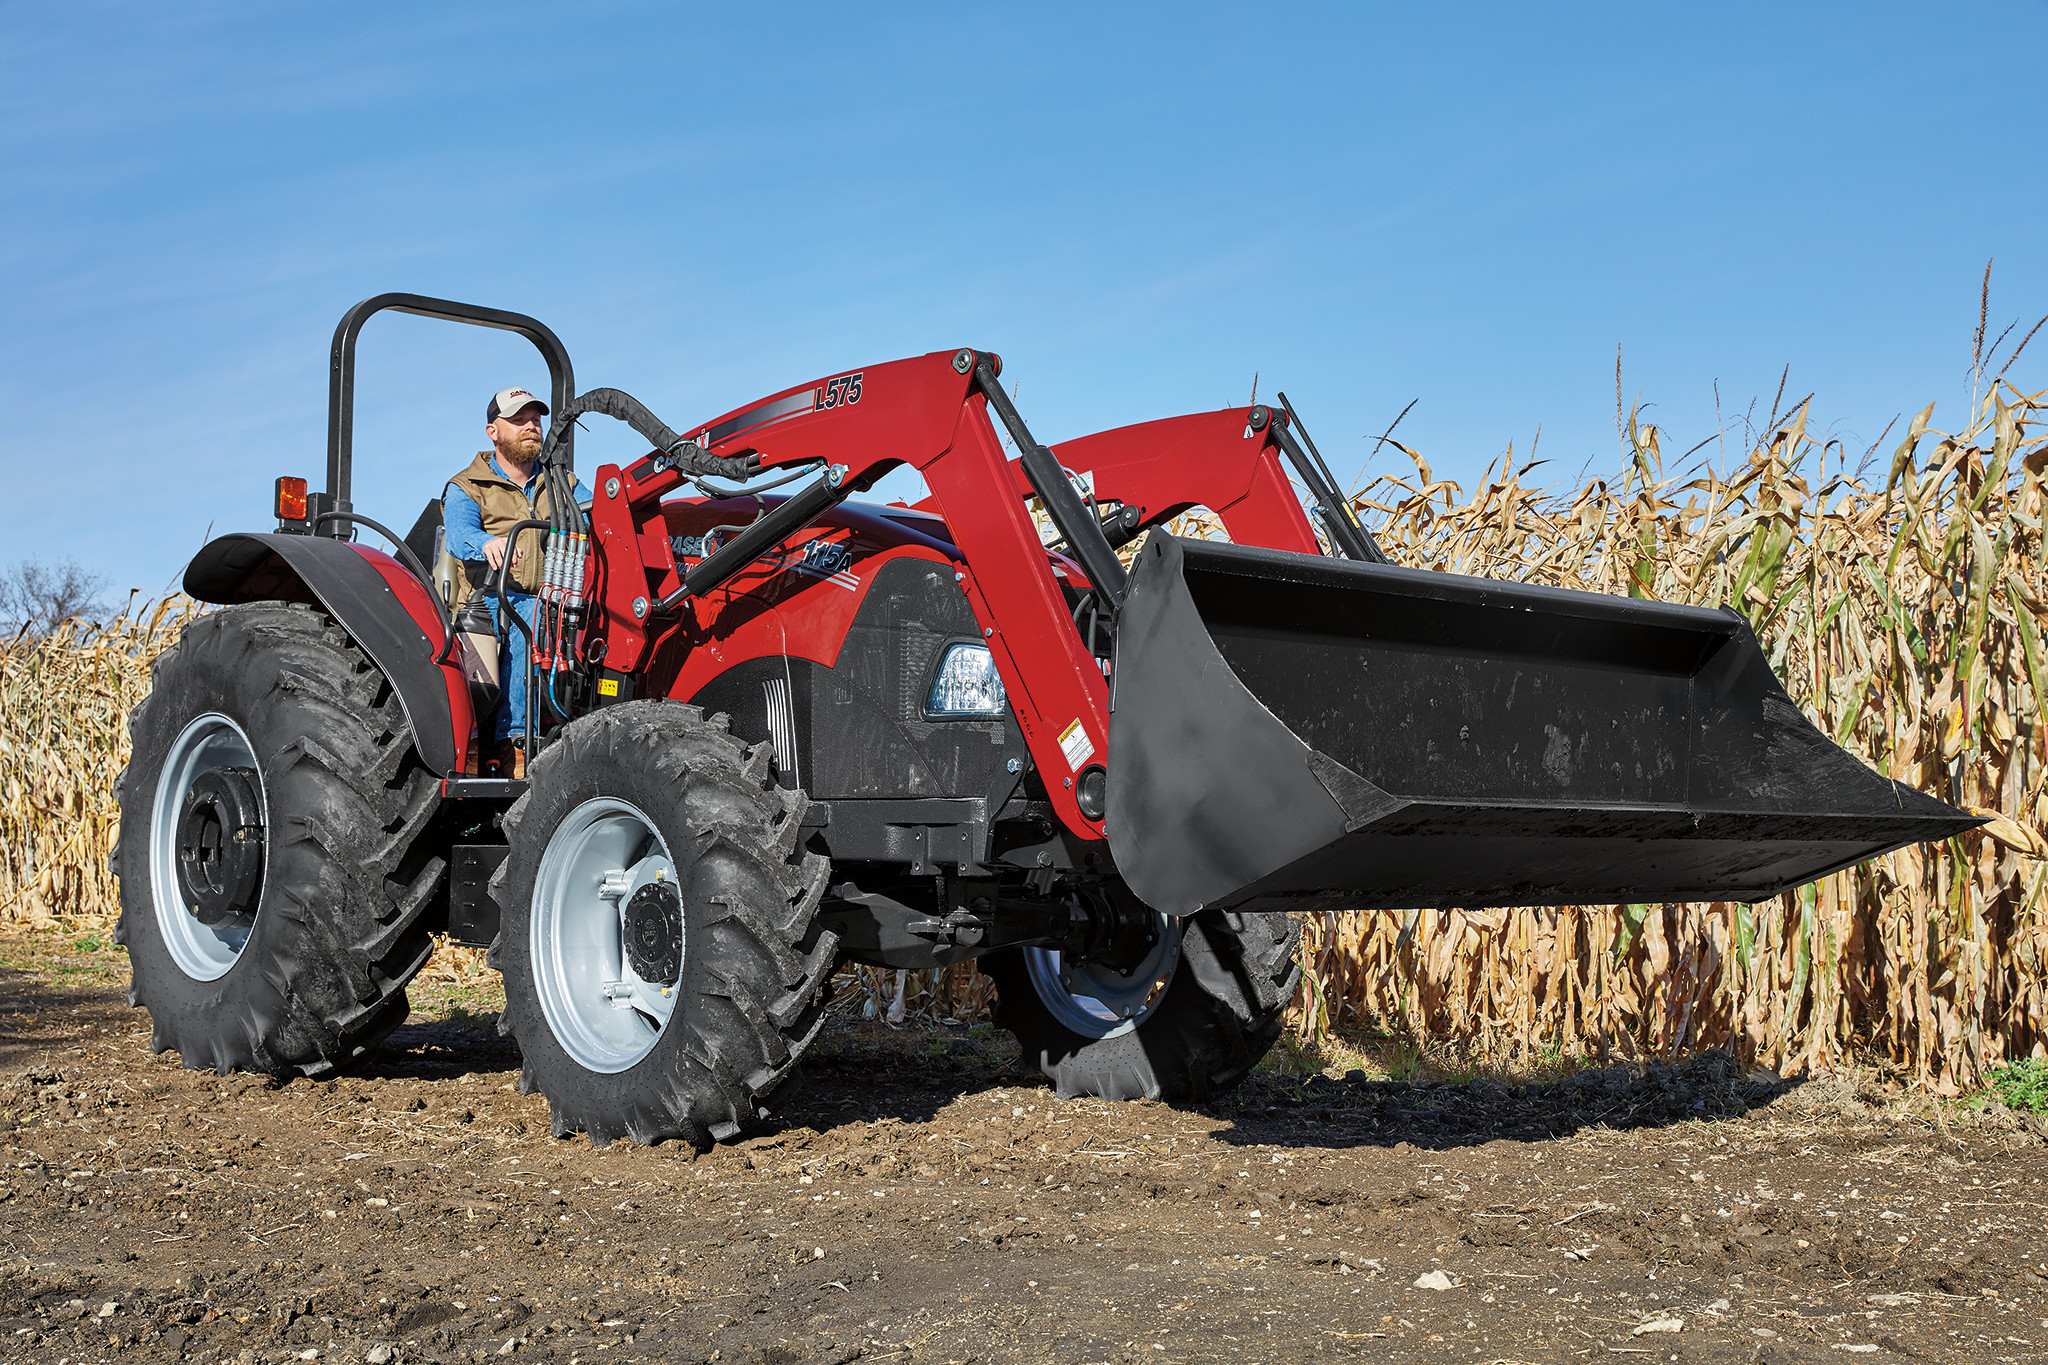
497 490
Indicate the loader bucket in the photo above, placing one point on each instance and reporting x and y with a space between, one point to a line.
1295 732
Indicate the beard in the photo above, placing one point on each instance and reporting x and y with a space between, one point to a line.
525 445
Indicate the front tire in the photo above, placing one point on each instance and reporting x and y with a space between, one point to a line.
664 970
1091 1031
274 876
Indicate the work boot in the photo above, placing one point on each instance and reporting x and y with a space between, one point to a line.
505 758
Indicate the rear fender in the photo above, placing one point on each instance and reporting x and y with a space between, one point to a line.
371 596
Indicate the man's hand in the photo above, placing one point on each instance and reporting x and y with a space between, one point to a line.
494 553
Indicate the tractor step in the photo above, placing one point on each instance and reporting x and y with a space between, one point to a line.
483 788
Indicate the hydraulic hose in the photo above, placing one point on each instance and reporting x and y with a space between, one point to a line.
796 472
685 454
553 705
567 523
565 516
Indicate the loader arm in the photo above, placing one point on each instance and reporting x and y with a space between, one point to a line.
1227 461
929 412
1290 729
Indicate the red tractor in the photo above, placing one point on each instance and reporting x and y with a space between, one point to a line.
776 732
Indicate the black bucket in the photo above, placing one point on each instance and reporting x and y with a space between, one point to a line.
1293 732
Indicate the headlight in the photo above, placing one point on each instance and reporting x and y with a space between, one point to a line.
966 684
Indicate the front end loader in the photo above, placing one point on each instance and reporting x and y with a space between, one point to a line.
779 728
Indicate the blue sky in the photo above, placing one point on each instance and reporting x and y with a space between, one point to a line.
1140 208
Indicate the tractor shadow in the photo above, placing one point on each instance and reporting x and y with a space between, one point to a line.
41 1015
448 1046
855 1072
864 1072
861 1071
1358 1111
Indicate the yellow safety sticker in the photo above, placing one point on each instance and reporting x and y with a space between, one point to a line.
1076 745
607 687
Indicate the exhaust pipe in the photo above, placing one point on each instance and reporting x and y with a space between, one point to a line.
1289 732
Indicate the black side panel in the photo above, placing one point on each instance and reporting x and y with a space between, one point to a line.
249 567
420 539
472 914
857 732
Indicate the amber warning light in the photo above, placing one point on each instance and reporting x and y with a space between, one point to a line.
291 499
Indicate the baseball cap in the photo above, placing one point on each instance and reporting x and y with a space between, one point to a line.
507 402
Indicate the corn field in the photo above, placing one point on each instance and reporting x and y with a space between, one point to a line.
1900 595
1899 592
64 704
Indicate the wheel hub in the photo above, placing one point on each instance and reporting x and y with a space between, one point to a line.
1124 934
606 934
219 845
653 925
1109 980
207 858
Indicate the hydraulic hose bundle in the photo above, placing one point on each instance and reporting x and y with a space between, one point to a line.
555 641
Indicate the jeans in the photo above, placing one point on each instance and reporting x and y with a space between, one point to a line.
512 699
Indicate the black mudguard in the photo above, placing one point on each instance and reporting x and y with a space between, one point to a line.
331 574
1289 731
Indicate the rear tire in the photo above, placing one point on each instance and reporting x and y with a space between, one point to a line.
1219 1014
312 973
689 1032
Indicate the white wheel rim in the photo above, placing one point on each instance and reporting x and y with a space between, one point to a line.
204 952
602 1012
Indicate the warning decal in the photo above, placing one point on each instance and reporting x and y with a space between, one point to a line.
1076 745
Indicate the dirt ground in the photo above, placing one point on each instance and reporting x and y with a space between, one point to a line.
927 1203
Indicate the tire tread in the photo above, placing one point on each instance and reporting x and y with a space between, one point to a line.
744 1036
349 868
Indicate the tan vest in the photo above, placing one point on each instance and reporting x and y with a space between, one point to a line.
503 504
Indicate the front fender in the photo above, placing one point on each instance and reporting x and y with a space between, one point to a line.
384 609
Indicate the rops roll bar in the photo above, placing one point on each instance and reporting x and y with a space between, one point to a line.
341 374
